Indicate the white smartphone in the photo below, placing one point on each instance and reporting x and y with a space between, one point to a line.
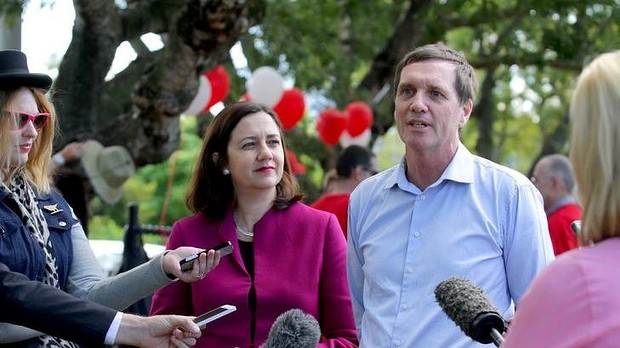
187 264
213 314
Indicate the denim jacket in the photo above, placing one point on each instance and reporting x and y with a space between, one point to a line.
20 251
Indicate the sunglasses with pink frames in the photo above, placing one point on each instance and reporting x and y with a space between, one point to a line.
39 120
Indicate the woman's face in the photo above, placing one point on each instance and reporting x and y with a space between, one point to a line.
255 154
22 139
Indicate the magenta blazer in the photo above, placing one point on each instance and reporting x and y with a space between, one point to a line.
299 256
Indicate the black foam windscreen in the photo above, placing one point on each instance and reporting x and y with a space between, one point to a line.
293 329
469 307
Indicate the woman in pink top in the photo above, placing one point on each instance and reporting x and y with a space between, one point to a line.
286 255
575 302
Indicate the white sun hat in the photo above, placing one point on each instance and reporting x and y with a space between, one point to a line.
107 169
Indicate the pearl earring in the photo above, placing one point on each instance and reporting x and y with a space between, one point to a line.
226 172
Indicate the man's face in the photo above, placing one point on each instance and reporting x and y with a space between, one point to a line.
427 111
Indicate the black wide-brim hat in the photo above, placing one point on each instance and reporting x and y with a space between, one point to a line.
14 72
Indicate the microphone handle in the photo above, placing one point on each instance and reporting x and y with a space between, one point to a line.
497 337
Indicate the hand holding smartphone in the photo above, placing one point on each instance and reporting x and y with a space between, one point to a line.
214 314
187 264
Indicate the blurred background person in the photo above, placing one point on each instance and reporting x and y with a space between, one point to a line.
286 254
354 164
553 176
574 302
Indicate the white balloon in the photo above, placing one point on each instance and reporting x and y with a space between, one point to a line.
202 97
362 140
265 86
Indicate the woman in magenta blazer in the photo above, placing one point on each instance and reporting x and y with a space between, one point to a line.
286 254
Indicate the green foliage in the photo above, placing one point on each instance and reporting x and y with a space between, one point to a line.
104 227
324 45
522 137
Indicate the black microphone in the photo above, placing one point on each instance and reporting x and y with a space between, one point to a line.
293 329
469 307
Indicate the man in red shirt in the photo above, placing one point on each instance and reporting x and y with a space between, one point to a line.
553 176
354 164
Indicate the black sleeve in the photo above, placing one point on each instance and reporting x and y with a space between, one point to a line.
50 310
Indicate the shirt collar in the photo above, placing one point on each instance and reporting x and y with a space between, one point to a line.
460 169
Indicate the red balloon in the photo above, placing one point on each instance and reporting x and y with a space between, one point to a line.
359 118
220 85
290 109
330 125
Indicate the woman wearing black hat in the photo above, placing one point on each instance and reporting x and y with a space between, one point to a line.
40 237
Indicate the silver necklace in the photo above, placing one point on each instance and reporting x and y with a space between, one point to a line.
241 230
244 232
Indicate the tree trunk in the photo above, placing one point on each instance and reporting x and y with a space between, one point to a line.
140 107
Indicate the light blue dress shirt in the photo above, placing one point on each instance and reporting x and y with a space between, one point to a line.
479 220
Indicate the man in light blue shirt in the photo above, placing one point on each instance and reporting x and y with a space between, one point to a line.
441 212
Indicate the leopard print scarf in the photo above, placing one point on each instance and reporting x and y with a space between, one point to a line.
33 219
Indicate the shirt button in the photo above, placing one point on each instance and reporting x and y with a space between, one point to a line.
416 234
396 342
409 269
422 197
62 223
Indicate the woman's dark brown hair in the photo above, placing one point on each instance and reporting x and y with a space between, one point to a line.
210 191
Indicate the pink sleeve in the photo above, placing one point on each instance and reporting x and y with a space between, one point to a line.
556 309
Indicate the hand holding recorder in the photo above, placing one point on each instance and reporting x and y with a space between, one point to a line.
187 264
196 262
